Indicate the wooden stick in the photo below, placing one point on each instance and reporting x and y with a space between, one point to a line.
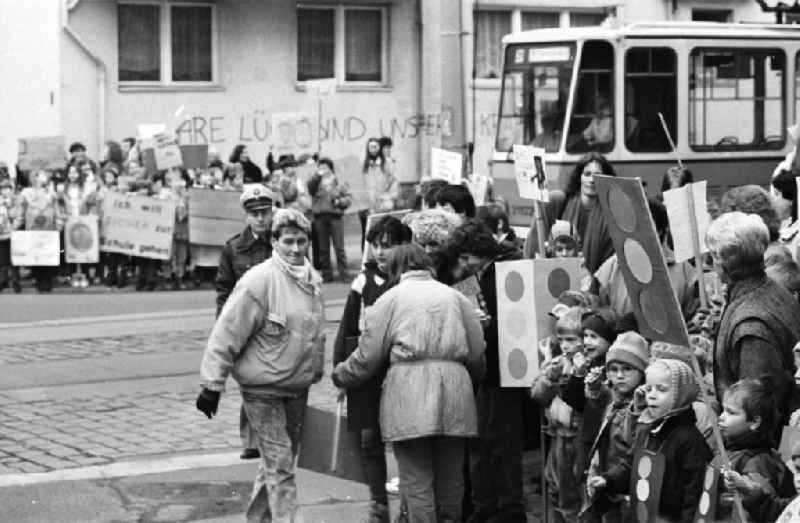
669 139
337 428
537 213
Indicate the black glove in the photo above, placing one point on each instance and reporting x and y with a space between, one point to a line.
207 402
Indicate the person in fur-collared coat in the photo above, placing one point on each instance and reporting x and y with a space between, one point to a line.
432 338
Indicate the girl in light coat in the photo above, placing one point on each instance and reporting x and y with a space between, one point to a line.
432 338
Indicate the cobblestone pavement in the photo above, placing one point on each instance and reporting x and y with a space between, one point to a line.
104 425
34 352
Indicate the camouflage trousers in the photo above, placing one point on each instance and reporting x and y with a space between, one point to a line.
278 423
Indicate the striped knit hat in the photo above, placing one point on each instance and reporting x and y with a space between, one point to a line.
683 382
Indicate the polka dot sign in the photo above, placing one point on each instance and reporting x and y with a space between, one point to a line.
707 506
641 259
526 291
81 240
646 479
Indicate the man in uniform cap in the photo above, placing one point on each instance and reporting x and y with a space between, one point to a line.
244 250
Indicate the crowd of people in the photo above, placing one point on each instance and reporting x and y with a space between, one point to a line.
418 362
46 199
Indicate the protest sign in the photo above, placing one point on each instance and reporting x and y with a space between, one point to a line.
195 156
446 165
82 239
167 152
35 248
137 226
42 152
372 219
327 447
531 173
214 216
527 290
680 223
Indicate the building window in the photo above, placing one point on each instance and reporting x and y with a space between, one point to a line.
650 88
490 27
712 15
162 42
539 20
345 42
736 99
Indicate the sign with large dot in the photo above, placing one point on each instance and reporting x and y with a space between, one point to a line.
517 364
81 237
641 259
515 286
557 282
647 477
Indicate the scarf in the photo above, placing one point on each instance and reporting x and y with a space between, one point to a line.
302 275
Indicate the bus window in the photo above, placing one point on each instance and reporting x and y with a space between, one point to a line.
592 125
650 88
534 95
736 99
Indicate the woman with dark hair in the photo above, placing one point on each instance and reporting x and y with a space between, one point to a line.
676 177
432 339
252 172
363 401
582 209
785 204
379 183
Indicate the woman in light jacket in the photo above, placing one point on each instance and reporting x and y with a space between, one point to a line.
380 185
433 341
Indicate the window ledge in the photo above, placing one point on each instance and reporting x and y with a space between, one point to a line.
168 88
350 88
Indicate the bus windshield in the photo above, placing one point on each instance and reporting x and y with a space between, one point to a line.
534 95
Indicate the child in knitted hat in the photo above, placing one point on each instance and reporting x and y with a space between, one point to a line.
666 427
431 229
610 442
562 420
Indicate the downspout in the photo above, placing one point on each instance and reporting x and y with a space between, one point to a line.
466 77
420 85
102 77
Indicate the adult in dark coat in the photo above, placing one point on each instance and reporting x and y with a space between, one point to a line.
759 325
241 252
252 172
495 456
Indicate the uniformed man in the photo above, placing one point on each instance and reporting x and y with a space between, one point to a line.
244 250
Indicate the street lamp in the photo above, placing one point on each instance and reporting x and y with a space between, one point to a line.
779 8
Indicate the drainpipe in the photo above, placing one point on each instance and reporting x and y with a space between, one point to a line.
467 101
420 85
102 77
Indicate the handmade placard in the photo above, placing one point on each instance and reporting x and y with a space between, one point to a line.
446 165
137 226
167 152
318 446
526 291
82 239
214 216
677 203
531 173
707 506
41 152
647 476
35 248
195 155
641 259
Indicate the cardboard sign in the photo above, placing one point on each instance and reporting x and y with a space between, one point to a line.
82 239
35 248
527 290
321 88
167 152
214 216
137 226
641 259
317 446
372 219
446 165
677 203
195 156
789 437
647 477
531 173
707 506
43 152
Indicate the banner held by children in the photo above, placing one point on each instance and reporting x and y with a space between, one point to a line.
35 248
446 165
42 152
137 226
531 173
82 239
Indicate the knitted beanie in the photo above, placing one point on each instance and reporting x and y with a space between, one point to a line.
570 321
631 348
433 225
683 382
601 322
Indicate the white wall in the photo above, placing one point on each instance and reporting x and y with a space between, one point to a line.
29 69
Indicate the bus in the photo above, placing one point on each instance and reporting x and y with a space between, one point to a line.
727 93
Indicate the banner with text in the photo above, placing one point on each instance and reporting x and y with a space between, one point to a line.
137 226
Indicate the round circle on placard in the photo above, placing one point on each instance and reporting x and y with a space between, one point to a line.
515 286
642 514
645 467
558 282
653 310
709 479
517 364
80 237
642 490
515 323
638 260
622 209
705 503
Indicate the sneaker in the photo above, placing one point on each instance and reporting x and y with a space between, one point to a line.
393 486
250 454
